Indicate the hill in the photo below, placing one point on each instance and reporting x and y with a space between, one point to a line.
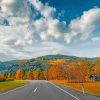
39 62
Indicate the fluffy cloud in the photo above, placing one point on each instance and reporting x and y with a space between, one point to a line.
84 26
45 10
47 27
95 39
24 24
14 7
20 32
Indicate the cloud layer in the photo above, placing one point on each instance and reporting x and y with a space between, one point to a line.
24 24
83 26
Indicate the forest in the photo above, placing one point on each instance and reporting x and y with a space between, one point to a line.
57 68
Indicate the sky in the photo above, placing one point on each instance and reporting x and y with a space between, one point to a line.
32 28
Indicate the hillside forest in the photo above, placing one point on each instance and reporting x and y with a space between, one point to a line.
52 68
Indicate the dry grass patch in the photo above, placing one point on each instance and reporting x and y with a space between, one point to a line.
90 87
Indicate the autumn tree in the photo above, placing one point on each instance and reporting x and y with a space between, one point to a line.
97 66
97 70
72 73
10 76
19 74
28 75
97 61
46 74
56 71
84 67
36 73
52 75
42 76
78 70
2 77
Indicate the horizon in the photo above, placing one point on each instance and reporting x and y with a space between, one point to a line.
33 28
47 55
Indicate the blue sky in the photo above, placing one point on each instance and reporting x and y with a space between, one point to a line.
72 8
32 28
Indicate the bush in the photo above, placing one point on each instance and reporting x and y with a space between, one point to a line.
1 80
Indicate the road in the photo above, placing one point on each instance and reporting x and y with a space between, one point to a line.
44 90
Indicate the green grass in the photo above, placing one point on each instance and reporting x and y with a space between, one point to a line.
8 85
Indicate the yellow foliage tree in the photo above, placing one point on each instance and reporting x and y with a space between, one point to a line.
28 75
36 73
10 77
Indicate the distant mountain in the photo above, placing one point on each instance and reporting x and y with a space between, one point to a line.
40 62
50 57
59 56
5 66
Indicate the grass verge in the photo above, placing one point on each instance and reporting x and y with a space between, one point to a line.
92 88
8 85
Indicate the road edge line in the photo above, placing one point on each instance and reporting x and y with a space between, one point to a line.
12 90
64 91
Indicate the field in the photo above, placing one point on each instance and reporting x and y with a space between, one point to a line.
92 88
8 85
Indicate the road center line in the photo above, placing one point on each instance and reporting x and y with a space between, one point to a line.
35 89
64 91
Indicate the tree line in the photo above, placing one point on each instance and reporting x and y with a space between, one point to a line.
75 70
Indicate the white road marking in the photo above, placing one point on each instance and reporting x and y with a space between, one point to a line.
64 91
35 89
12 90
28 98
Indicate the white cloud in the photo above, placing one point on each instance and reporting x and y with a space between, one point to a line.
49 29
16 37
84 26
14 7
95 39
24 35
45 10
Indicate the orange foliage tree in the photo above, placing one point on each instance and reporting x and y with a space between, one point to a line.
28 75
2 77
36 73
56 71
19 74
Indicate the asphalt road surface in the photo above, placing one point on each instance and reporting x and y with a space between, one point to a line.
44 90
